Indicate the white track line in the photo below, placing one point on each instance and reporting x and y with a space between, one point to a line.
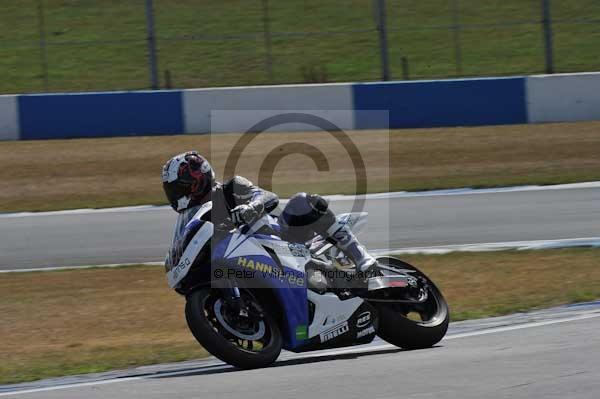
141 208
374 196
496 246
469 191
50 269
493 330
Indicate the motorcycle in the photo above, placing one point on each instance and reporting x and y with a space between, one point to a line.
250 293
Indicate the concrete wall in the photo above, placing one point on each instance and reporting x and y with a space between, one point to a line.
269 100
9 118
559 98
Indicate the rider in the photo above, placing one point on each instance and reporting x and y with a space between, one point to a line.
189 181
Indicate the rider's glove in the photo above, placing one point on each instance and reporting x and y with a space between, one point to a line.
244 214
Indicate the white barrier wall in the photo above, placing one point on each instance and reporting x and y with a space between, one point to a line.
199 103
563 98
9 118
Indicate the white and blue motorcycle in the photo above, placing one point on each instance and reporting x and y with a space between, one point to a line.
249 293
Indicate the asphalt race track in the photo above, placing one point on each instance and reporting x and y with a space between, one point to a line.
128 236
548 354
543 354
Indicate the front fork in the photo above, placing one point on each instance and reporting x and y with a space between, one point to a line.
233 298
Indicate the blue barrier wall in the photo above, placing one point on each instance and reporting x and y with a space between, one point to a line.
465 102
100 114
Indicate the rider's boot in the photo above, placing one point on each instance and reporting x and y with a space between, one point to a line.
347 242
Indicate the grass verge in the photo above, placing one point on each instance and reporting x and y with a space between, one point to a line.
65 174
101 45
80 321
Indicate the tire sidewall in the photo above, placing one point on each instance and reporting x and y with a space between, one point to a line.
220 347
400 331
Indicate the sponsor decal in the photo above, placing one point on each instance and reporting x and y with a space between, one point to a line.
298 250
266 270
367 331
250 264
334 332
301 332
185 262
363 319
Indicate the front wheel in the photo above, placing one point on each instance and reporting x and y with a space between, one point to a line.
242 335
413 325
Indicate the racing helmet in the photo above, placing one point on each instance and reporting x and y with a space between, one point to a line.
187 180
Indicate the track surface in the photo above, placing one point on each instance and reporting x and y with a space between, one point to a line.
552 353
124 236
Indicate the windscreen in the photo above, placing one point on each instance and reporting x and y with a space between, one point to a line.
176 249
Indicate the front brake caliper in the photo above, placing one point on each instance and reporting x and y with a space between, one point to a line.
412 281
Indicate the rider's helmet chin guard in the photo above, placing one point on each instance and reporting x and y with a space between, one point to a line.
187 179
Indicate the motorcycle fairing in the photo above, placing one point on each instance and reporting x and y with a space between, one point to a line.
185 262
337 323
236 251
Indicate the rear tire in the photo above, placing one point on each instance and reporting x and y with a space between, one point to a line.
399 330
202 325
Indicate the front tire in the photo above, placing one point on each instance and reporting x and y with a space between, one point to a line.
256 345
399 329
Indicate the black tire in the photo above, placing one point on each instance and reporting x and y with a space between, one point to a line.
397 329
222 348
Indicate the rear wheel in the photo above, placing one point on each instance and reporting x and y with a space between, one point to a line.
413 325
243 336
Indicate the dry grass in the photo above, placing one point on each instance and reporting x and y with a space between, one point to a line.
496 283
68 322
62 174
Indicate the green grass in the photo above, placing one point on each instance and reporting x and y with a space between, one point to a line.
100 45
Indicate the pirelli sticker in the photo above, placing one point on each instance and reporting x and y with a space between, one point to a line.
334 332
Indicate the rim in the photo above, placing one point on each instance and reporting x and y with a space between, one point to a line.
250 330
244 328
431 310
